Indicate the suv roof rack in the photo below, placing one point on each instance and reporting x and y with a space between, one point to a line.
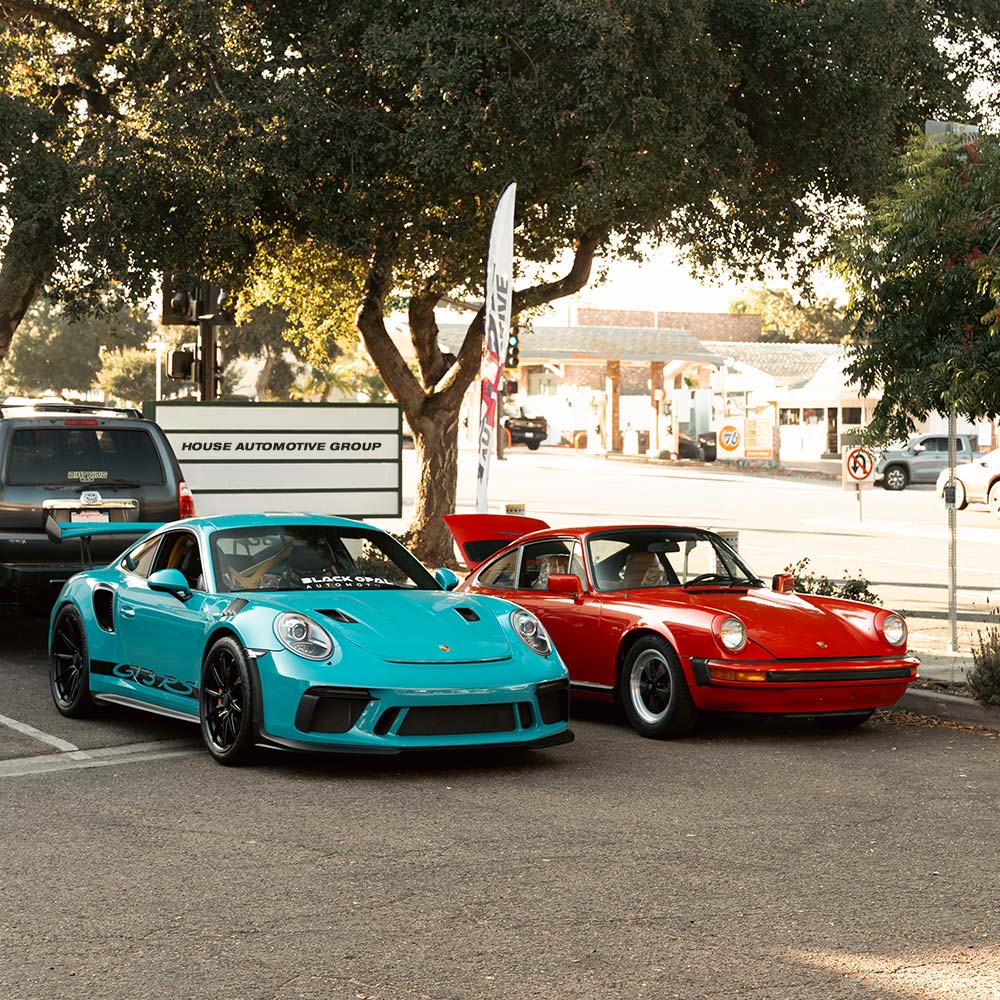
44 407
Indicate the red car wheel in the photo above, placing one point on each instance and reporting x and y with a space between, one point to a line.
654 692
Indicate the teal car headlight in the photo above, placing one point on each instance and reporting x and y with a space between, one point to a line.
531 631
302 636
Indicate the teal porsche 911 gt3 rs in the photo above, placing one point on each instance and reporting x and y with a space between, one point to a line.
301 632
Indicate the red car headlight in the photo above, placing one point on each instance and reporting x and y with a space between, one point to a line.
893 629
732 634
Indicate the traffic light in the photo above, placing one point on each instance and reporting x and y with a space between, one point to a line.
513 350
180 303
181 364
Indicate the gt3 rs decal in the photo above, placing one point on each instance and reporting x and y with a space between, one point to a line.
145 677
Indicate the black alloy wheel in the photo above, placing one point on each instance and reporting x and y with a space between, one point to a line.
654 692
69 665
226 703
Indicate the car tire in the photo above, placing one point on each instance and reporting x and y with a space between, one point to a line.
654 692
895 478
961 501
849 721
994 499
226 704
533 445
69 665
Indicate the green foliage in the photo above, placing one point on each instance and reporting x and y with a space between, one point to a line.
53 352
128 375
851 588
984 677
925 286
788 319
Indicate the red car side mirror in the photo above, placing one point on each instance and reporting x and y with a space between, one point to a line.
783 583
564 583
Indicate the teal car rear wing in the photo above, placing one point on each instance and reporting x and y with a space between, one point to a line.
84 533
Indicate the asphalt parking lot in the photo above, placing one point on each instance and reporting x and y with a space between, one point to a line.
755 859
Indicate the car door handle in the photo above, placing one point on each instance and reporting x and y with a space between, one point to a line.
128 611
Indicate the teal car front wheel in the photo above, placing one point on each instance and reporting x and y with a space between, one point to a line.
227 704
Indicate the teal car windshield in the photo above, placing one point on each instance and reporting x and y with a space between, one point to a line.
309 557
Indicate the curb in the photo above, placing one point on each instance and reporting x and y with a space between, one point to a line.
949 707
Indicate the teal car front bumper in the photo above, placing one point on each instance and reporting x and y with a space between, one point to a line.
520 703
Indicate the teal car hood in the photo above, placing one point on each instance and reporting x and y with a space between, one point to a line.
406 626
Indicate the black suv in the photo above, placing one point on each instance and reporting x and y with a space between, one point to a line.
76 464
522 429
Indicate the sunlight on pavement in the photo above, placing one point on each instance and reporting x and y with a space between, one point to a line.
963 975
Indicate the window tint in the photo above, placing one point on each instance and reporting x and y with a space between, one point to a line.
637 558
42 456
140 559
314 557
499 574
180 551
540 561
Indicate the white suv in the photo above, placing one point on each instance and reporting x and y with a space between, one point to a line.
976 482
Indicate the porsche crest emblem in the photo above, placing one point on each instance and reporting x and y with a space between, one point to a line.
822 645
445 649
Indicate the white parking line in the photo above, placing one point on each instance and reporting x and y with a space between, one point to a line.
53 741
131 754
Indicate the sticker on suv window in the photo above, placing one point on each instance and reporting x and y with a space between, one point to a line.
86 477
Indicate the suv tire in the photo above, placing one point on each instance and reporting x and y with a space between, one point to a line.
895 478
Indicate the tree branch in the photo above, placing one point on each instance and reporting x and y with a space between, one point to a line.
57 17
27 264
402 383
470 357
424 334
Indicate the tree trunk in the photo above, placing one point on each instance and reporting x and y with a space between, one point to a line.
435 437
263 384
26 268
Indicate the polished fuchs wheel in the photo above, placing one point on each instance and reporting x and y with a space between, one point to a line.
227 724
895 478
654 692
69 666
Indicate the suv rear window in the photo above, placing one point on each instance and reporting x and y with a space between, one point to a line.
49 456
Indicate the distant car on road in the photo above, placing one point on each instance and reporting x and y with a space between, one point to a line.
524 429
669 622
78 464
920 460
975 482
301 632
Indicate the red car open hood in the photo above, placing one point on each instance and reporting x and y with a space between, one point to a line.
480 535
791 626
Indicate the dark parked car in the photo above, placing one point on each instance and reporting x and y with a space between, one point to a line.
522 429
708 445
76 464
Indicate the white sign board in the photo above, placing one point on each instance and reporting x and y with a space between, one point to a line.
312 458
857 468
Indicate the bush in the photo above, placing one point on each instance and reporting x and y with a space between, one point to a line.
984 677
851 588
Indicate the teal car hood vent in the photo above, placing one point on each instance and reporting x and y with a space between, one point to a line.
338 616
468 614
407 626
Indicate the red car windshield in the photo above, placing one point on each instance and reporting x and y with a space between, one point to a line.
643 558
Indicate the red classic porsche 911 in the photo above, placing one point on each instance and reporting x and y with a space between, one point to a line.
671 622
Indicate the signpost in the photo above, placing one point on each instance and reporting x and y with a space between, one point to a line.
857 471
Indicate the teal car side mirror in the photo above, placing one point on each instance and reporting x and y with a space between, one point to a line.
170 581
445 577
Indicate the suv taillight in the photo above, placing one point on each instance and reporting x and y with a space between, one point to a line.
185 501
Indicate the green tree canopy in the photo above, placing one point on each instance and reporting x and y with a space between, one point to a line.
128 375
784 317
923 274
54 352
137 138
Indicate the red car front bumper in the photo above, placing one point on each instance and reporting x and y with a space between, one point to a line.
806 687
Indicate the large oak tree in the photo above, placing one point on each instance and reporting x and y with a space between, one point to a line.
140 135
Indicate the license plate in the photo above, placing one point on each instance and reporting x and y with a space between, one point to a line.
91 516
